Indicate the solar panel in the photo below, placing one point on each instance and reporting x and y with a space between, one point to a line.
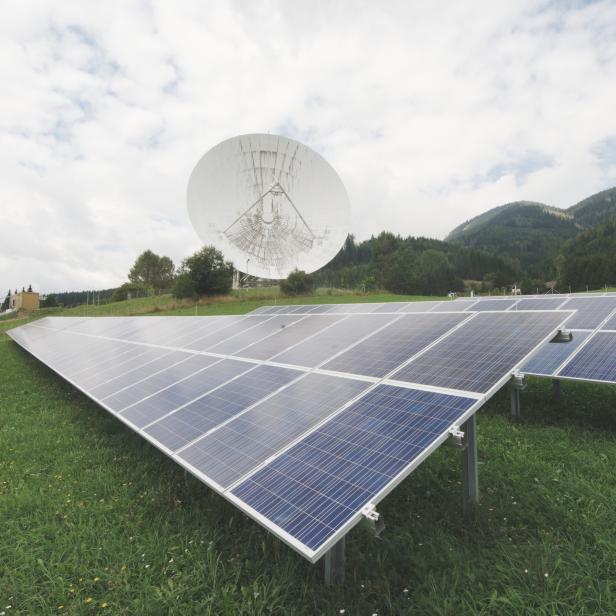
390 347
123 398
591 311
290 336
234 449
229 419
192 421
552 354
610 324
454 306
321 484
184 391
596 360
335 339
492 304
474 357
539 303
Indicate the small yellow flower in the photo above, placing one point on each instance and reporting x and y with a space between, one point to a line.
97 579
89 600
104 605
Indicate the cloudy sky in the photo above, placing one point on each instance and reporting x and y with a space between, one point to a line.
430 112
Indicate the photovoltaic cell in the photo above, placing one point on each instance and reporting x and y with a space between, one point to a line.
539 303
211 410
322 482
422 306
492 304
596 361
273 325
552 354
289 336
390 347
611 324
454 306
336 338
182 392
391 307
153 384
476 356
590 311
229 452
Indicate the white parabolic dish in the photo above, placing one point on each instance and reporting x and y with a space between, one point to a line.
269 204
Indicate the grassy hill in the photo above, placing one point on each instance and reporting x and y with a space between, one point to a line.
96 520
533 233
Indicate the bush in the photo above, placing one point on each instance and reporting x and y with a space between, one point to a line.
129 290
184 287
297 283
204 273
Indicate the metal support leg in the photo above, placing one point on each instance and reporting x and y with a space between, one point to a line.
556 389
515 403
334 564
517 383
470 475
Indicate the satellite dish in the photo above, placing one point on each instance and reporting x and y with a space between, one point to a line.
269 204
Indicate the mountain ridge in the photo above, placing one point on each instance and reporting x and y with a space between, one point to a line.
532 233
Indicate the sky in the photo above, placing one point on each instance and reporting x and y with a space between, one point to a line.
431 113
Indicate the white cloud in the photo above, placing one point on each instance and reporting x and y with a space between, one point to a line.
430 113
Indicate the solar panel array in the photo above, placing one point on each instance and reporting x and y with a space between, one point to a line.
595 313
301 416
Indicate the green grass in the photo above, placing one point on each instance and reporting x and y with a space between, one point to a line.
91 515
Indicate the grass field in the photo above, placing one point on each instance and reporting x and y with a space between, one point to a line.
94 519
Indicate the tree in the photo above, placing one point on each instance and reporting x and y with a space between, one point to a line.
7 302
297 283
204 273
51 301
152 270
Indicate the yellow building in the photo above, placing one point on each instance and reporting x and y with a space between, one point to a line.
26 300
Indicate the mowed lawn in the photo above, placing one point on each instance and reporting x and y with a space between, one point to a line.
94 519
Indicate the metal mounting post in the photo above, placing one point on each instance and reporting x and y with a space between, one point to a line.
470 475
518 383
334 564
556 389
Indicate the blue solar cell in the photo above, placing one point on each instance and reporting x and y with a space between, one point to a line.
231 451
390 347
476 356
590 311
454 306
318 485
158 381
552 354
595 361
234 343
611 324
336 338
289 336
539 303
112 376
421 306
196 418
491 304
160 404
391 307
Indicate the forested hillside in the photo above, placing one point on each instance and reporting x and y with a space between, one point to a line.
590 258
413 265
533 234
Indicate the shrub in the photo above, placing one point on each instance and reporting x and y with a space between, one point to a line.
297 283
